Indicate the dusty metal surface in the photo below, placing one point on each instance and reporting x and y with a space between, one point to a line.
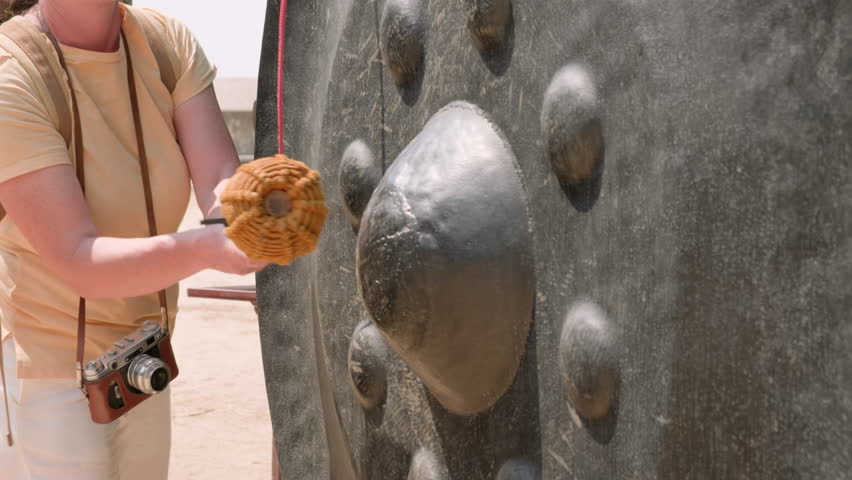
626 254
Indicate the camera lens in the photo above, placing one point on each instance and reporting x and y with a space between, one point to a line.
160 379
148 374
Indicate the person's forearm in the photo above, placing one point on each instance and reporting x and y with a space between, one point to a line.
207 147
128 267
210 204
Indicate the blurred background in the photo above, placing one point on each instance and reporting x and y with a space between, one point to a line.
220 414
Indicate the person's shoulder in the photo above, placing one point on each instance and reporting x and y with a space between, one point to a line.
16 70
170 25
10 52
21 88
10 63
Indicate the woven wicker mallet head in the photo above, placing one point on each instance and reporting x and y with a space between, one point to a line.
275 209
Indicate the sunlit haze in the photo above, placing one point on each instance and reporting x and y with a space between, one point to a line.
230 32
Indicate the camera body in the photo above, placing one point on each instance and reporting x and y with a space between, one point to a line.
138 366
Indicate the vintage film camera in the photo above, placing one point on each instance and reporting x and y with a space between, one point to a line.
138 366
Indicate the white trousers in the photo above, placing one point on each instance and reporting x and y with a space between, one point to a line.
55 437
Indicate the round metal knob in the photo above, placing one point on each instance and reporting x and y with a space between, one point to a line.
94 368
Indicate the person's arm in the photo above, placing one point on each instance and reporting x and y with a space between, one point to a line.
48 207
207 148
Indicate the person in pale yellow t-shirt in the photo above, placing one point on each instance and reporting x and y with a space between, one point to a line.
57 245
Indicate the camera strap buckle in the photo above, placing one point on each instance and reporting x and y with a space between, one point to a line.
164 312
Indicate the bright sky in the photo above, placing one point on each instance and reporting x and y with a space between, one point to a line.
229 32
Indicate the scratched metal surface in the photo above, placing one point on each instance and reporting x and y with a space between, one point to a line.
695 291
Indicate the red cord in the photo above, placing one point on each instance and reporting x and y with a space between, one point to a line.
282 23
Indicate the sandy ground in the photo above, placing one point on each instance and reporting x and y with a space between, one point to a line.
220 415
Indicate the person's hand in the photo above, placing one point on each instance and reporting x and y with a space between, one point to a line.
219 253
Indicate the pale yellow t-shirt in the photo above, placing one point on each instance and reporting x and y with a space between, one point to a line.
38 308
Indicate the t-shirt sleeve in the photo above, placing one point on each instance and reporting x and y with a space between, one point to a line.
29 140
194 70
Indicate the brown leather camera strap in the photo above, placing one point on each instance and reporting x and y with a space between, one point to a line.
81 176
146 179
146 182
78 132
